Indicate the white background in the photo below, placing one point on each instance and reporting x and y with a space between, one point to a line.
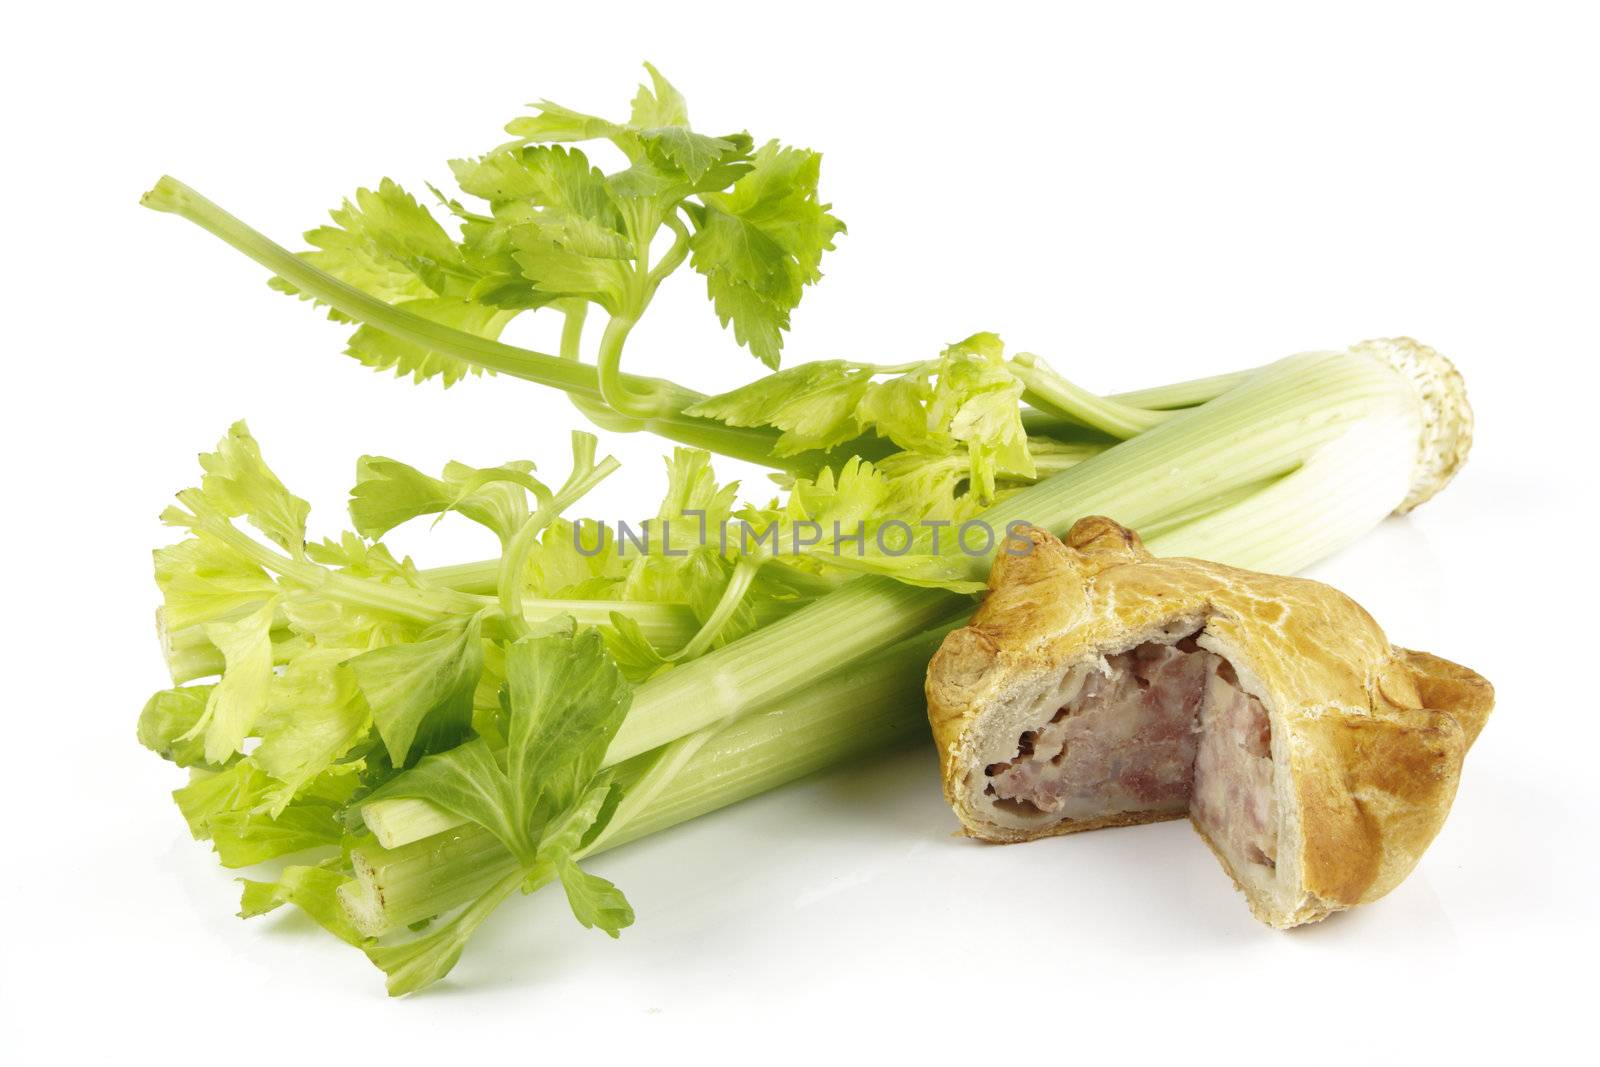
1141 193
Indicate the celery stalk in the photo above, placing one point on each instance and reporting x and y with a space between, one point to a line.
580 380
583 382
849 714
1273 424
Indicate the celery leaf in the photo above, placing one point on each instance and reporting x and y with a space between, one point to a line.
388 245
594 901
760 244
168 722
564 700
315 715
420 693
312 889
388 493
229 808
814 404
239 700
567 700
635 656
238 482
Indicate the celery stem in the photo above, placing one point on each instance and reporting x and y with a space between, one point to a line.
1048 391
649 404
844 716
744 572
633 403
574 377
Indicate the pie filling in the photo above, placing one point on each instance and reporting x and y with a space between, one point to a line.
1167 728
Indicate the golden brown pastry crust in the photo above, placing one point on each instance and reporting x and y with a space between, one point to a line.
1372 736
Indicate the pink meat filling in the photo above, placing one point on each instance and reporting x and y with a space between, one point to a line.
1167 729
1233 800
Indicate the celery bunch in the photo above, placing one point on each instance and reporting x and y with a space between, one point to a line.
426 742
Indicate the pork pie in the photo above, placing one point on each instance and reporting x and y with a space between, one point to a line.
1100 686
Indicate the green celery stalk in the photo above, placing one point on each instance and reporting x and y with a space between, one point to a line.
1049 392
1269 426
1068 405
580 380
849 714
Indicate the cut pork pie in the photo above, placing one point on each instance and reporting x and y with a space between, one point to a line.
1100 686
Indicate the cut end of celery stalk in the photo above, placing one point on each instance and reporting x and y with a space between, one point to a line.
401 820
361 903
168 194
1447 420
